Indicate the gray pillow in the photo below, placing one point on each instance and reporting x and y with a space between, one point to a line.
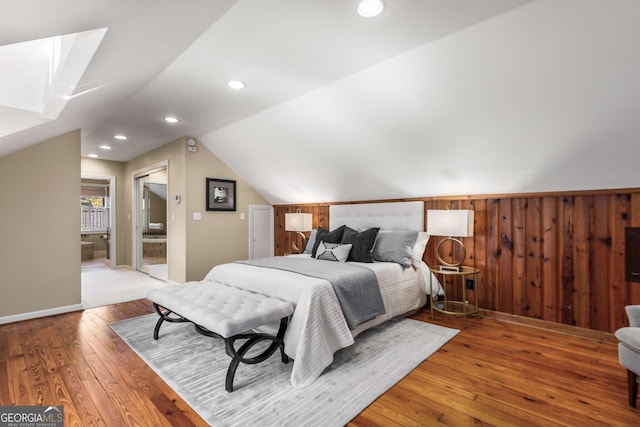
312 240
395 246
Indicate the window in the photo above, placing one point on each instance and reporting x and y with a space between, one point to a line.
94 210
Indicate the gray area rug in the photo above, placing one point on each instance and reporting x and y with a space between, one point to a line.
195 367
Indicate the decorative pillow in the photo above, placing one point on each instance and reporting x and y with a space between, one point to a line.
310 242
418 249
362 250
327 236
333 251
395 246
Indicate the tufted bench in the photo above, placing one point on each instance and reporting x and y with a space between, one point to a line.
218 310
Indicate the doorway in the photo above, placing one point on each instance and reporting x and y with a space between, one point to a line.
97 222
151 225
261 228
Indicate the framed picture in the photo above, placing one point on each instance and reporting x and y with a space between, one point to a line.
221 195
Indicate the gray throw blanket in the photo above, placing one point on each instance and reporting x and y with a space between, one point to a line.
356 287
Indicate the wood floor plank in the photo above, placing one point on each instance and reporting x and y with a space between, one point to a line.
493 373
86 409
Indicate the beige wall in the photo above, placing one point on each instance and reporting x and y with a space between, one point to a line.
195 246
220 236
39 226
40 263
117 169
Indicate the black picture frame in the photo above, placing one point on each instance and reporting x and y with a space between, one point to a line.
221 194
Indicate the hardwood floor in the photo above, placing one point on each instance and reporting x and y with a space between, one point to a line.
493 373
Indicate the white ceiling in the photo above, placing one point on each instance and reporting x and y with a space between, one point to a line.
432 97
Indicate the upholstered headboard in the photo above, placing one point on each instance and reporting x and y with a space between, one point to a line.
393 215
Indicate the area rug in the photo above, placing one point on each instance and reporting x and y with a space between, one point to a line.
195 367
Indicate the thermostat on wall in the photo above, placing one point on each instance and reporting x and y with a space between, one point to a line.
191 145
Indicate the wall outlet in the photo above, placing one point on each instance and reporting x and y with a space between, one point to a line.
470 284
197 216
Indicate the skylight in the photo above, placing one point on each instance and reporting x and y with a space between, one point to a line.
41 75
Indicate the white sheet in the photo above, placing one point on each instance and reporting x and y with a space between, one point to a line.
318 328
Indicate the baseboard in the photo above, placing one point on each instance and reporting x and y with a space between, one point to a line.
547 325
40 313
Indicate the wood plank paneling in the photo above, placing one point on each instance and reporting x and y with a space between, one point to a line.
581 272
519 257
505 265
619 220
552 256
600 256
550 270
533 291
566 284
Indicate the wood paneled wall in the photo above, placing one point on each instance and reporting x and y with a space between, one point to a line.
555 257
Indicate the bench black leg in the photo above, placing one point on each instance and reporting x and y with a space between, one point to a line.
238 356
165 315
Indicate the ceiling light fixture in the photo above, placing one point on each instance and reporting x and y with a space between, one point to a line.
105 147
120 137
171 119
236 84
370 8
93 156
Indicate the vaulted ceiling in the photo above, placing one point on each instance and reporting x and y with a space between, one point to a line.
432 97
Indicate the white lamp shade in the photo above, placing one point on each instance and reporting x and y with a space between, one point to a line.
450 223
298 221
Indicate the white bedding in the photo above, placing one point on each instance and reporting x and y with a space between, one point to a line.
318 328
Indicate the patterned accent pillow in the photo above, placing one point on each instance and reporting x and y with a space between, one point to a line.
333 251
325 235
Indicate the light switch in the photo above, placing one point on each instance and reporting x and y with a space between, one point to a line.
242 216
197 216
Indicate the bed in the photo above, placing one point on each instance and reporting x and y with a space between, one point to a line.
318 327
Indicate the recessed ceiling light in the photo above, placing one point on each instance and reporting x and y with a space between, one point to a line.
370 8
105 147
236 84
120 137
172 120
93 156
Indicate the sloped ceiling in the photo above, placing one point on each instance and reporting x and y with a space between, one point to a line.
438 97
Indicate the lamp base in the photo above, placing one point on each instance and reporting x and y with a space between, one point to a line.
455 263
294 247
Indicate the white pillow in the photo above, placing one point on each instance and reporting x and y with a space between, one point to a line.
333 251
418 248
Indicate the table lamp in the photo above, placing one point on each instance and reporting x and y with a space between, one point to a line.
450 223
299 223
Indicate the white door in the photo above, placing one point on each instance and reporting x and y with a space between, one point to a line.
260 231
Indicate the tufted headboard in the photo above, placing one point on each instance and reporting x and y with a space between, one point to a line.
393 215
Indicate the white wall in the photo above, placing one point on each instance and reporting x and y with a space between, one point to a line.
542 98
